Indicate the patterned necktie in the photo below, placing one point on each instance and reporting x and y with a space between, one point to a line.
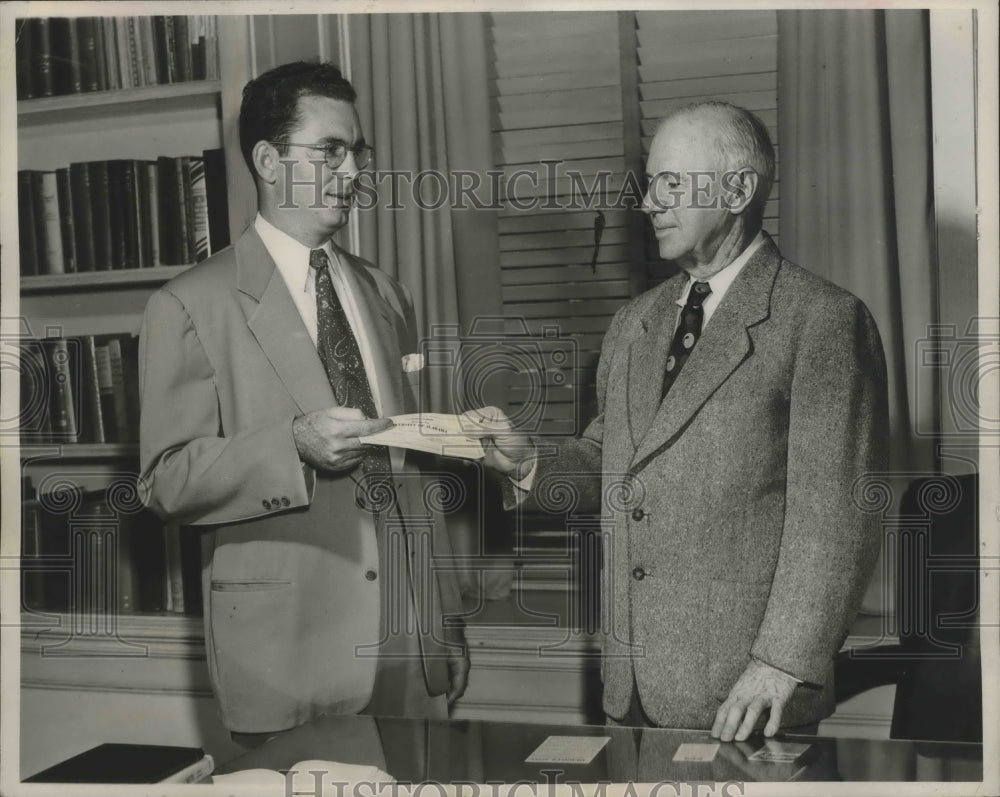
341 357
687 334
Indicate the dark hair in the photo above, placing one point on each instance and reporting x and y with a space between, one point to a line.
270 107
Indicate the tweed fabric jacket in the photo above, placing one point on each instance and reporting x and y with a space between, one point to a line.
732 528
292 573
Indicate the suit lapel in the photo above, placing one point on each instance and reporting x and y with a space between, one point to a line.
376 318
647 358
724 344
275 323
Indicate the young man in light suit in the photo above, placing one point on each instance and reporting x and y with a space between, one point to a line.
740 402
260 368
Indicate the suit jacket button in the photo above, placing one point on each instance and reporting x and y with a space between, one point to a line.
266 503
638 574
371 575
285 501
638 514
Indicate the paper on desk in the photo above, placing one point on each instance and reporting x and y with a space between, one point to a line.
434 432
696 751
568 750
779 752
304 778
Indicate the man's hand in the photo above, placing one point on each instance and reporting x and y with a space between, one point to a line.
761 686
458 669
508 451
328 439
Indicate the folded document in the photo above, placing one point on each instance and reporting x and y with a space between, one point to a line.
436 433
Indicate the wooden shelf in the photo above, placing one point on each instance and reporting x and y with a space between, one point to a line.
41 109
78 451
86 280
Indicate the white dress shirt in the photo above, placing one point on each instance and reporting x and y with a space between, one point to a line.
292 260
720 282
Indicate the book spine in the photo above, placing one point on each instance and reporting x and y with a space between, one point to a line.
33 573
197 30
218 199
130 215
100 64
67 62
46 194
41 48
33 410
27 242
142 218
182 49
167 201
148 550
152 187
100 192
106 388
111 57
24 61
117 216
122 431
161 47
83 220
199 209
212 47
86 34
64 426
144 28
170 49
92 420
184 236
197 772
174 574
134 44
66 223
129 346
124 577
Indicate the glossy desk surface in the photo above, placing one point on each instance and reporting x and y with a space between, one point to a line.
461 750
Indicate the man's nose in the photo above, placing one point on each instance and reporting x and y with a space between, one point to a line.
648 206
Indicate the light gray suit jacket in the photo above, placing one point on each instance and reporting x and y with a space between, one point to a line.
732 500
292 614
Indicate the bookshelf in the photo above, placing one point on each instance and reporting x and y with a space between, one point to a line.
140 119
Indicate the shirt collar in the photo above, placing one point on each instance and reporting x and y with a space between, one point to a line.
720 282
290 256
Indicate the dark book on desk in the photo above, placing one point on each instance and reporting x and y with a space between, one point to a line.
131 763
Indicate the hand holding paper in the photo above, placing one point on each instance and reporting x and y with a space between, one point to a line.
436 433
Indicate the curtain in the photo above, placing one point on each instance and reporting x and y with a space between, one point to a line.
856 192
423 99
424 104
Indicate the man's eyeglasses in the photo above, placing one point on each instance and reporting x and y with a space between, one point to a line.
336 152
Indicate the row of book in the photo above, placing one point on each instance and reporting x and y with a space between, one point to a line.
60 55
84 553
120 214
82 389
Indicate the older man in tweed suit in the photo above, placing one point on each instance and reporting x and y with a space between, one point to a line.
742 398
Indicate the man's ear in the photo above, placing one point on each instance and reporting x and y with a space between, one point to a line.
739 187
265 161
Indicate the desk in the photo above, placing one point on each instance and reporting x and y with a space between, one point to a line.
453 750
